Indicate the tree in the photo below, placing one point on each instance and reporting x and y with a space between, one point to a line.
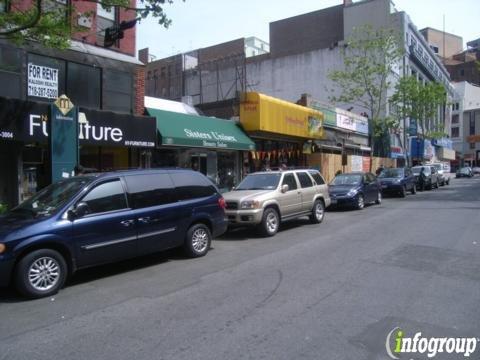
51 24
369 58
419 101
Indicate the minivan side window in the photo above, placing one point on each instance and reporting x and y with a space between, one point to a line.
191 185
289 180
107 196
305 181
317 177
150 190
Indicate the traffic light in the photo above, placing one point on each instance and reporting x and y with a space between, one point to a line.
115 32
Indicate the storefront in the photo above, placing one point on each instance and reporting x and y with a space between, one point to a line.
107 141
215 147
283 132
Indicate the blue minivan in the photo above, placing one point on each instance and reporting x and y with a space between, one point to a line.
94 219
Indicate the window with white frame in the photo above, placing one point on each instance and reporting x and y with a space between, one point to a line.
105 19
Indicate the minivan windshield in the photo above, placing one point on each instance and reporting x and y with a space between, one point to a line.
53 197
260 182
347 179
391 173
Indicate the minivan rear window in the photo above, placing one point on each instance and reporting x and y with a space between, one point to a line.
150 190
191 185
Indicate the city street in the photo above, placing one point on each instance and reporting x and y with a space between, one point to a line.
328 291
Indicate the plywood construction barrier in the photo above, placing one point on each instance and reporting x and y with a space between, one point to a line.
330 164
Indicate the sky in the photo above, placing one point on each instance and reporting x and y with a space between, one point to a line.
201 23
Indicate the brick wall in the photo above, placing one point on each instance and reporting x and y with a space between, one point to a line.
139 90
127 44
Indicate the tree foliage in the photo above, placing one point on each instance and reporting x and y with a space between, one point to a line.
419 101
369 59
52 24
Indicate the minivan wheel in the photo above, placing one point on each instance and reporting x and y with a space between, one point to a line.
198 240
270 222
318 212
40 273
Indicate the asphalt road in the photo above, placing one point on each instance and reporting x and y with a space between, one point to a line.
328 291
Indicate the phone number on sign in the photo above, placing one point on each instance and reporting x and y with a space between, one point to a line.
42 92
6 135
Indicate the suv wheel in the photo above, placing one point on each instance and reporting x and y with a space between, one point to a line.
318 212
414 189
197 241
270 222
360 202
40 273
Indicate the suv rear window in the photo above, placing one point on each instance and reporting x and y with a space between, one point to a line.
317 177
150 190
191 185
304 179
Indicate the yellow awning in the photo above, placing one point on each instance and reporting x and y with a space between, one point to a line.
264 113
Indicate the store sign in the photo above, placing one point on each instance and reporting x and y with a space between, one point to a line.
352 122
357 163
444 142
396 152
64 139
428 150
42 81
27 121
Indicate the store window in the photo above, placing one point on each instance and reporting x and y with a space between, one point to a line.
118 91
227 165
105 18
84 85
10 69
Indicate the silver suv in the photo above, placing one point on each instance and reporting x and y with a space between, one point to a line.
264 199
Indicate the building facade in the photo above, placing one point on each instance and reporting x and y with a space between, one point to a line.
105 85
466 124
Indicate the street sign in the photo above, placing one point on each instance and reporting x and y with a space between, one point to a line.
63 138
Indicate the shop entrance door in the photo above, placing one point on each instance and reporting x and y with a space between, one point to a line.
199 163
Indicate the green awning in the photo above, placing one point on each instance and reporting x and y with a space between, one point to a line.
178 129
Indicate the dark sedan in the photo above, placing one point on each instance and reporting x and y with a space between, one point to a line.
397 181
464 172
355 190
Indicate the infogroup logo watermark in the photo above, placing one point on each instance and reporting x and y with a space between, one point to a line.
397 343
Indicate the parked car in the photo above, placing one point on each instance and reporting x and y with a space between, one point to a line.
464 172
355 189
101 218
444 179
397 181
265 199
431 176
476 170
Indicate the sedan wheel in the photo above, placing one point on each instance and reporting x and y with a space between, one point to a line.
360 202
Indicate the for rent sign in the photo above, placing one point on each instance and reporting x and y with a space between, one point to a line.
42 81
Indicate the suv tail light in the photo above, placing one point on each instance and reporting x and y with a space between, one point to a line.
221 203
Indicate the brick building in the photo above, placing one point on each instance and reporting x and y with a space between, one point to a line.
106 84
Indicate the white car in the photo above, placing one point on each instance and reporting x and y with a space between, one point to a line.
443 178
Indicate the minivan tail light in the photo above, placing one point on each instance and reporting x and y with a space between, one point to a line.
221 203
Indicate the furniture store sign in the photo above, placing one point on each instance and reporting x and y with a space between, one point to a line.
42 81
